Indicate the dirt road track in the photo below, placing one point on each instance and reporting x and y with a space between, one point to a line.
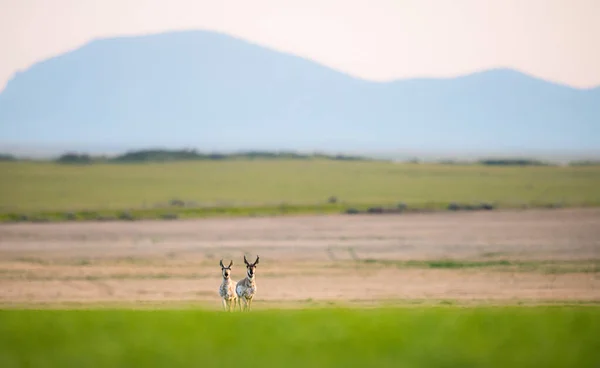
305 257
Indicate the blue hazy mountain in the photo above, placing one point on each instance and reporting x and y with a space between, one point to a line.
212 91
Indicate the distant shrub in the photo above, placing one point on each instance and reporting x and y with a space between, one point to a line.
7 157
176 203
349 158
70 216
126 216
74 158
470 207
375 210
169 216
454 206
512 162
352 211
158 155
401 206
332 199
39 219
486 206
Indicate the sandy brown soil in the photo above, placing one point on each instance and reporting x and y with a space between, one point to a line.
309 258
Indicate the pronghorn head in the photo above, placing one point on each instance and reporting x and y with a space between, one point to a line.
226 270
250 267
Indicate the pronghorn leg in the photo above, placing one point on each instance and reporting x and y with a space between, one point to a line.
250 303
224 301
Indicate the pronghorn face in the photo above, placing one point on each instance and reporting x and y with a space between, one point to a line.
226 270
250 267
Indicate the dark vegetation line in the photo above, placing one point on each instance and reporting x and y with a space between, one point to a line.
178 209
163 155
158 155
7 157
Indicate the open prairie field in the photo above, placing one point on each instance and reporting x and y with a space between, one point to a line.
516 288
27 188
509 287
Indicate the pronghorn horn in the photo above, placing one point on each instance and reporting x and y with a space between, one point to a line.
256 262
221 263
230 264
245 260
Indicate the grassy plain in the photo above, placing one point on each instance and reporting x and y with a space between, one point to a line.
261 186
323 337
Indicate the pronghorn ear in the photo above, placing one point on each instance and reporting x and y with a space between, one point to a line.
246 261
221 263
256 262
230 264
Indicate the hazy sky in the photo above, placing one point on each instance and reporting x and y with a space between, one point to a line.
375 39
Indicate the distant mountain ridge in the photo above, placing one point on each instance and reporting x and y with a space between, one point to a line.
215 92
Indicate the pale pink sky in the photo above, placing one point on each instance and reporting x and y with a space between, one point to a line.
557 40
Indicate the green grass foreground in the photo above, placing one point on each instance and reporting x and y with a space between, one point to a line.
52 191
330 337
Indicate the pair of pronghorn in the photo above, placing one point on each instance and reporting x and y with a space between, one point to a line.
242 291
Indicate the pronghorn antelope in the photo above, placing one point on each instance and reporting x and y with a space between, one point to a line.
246 287
227 288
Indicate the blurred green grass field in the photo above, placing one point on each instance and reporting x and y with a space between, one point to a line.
31 186
329 337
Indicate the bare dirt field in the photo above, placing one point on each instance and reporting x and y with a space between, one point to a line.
496 256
